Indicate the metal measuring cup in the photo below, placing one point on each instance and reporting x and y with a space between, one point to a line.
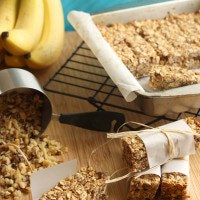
23 81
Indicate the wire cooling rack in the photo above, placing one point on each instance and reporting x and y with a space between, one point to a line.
83 77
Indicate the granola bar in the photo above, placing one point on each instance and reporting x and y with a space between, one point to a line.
174 182
142 44
85 184
174 186
189 24
144 53
195 126
135 153
177 38
145 186
163 78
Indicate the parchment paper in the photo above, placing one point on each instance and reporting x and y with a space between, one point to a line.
156 143
128 85
155 170
177 165
43 180
118 72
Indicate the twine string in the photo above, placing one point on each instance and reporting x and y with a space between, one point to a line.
96 149
117 135
171 145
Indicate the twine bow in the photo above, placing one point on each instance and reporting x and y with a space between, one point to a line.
166 132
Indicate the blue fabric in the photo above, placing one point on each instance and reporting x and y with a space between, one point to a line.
97 6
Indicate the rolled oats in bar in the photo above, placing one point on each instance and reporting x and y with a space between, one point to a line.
145 186
156 42
85 184
138 158
195 126
174 180
189 23
163 78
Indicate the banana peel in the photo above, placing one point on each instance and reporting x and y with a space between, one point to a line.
14 61
36 36
48 50
28 28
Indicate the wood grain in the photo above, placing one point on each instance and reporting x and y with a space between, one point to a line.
82 142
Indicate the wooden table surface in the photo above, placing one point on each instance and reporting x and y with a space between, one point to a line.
81 142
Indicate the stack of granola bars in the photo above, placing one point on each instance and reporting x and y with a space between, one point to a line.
168 181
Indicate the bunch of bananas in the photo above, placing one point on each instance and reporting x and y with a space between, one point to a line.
32 32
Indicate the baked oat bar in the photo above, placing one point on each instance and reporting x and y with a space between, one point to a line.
173 186
141 44
163 78
174 180
115 35
144 187
195 126
135 153
179 39
85 184
144 53
189 24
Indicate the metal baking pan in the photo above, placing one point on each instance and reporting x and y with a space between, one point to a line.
155 103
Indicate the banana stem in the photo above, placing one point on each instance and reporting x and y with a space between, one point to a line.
4 35
27 56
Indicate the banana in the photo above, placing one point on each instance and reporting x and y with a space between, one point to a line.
8 15
2 56
14 61
50 46
28 29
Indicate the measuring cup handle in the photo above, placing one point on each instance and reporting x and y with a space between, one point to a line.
97 121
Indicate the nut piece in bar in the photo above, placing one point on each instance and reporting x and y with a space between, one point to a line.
173 186
142 44
85 184
134 153
174 179
145 186
195 126
163 78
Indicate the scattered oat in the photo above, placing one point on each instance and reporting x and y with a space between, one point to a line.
20 122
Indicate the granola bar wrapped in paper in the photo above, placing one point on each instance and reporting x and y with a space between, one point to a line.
152 147
85 184
63 181
145 186
175 177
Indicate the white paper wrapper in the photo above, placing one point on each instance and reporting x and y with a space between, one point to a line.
156 143
155 170
118 72
177 165
43 180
